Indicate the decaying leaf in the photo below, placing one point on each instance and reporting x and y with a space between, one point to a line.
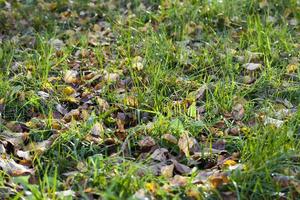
188 145
41 147
14 169
238 112
170 138
146 143
68 90
179 181
181 168
167 171
137 63
97 129
229 163
71 76
292 68
252 66
217 180
276 122
160 154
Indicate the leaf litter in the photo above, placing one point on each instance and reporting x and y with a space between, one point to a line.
80 94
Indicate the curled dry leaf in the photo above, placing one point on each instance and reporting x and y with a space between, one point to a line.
13 168
188 145
61 109
2 149
146 143
170 138
201 92
43 95
217 180
71 76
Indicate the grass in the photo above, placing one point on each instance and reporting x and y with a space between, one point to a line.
183 45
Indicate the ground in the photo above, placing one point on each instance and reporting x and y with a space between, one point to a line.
153 99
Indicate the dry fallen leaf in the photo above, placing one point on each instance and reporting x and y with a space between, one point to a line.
217 180
179 181
13 168
111 77
160 154
71 76
188 145
137 63
167 171
252 66
276 122
181 168
292 68
170 138
146 143
238 112
68 90
97 129
229 163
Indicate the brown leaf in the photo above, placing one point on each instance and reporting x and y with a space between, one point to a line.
121 117
170 138
73 114
238 112
201 92
146 143
97 129
188 144
13 168
181 168
160 154
217 180
179 181
41 147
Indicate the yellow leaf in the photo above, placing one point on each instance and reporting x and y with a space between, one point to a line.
131 101
151 187
217 180
71 99
291 68
228 163
68 90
